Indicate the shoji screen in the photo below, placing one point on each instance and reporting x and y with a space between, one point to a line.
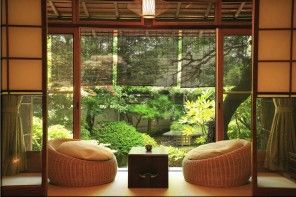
274 69
21 46
23 96
276 47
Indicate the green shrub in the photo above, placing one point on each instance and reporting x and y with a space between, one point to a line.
84 134
197 114
37 134
200 140
240 124
148 140
121 137
54 131
176 156
58 131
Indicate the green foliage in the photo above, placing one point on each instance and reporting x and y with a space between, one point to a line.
240 124
197 113
137 90
148 140
54 131
163 106
237 62
60 110
184 129
95 102
84 134
158 107
144 110
201 140
121 137
36 134
176 156
58 131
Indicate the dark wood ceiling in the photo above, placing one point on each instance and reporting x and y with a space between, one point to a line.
166 10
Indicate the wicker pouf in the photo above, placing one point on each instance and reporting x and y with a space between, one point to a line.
64 170
227 169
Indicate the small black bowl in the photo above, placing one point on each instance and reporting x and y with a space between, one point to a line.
148 147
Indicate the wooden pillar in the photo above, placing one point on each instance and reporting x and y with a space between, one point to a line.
219 85
255 27
76 83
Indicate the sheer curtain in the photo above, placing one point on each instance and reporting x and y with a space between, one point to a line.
282 138
13 145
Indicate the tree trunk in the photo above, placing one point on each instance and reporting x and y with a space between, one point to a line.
90 119
232 102
149 125
230 105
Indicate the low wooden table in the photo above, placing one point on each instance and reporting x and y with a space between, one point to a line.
147 169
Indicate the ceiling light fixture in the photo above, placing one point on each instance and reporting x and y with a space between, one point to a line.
148 8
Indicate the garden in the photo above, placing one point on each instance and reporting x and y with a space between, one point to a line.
139 89
124 117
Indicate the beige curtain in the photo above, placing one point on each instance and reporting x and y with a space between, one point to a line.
282 138
13 146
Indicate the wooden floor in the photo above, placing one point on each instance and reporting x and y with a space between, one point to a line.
177 187
22 179
269 179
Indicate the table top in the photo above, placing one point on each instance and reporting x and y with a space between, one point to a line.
142 151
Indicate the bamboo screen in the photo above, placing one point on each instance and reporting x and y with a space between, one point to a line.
98 50
147 58
166 58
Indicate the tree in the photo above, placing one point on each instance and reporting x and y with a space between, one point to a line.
238 62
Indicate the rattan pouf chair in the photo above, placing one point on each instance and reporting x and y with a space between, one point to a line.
225 163
69 171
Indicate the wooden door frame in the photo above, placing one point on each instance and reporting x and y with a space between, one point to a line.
75 32
220 34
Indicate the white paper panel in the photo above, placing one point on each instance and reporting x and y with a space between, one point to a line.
25 74
274 45
25 42
24 12
4 75
3 44
294 77
275 14
273 77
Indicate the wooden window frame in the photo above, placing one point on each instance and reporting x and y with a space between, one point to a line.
75 32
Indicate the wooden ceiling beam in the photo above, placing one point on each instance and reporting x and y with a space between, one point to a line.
85 9
239 9
113 1
53 7
186 1
116 10
237 1
208 9
178 10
